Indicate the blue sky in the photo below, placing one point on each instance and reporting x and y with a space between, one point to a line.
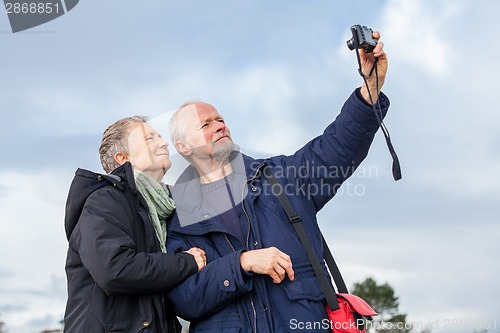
279 73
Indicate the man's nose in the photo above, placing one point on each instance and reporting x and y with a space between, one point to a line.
220 126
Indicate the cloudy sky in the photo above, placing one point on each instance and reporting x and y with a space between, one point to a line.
279 72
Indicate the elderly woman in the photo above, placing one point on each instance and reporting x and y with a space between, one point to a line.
117 266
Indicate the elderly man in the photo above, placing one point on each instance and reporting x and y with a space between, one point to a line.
258 277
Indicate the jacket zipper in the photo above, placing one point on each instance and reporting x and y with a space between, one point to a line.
247 241
251 299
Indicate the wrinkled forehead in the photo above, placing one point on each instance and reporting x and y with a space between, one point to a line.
193 115
140 130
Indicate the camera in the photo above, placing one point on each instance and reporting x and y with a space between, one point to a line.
362 36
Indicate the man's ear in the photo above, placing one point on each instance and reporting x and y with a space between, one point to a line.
183 148
121 158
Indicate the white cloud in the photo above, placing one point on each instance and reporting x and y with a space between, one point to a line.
416 31
34 246
443 117
262 97
440 273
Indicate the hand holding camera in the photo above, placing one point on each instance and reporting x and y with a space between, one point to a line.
372 60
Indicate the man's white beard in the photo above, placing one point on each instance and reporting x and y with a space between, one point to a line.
221 153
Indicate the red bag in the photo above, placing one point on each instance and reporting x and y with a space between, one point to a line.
349 318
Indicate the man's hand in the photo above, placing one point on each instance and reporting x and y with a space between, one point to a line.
367 60
199 255
269 261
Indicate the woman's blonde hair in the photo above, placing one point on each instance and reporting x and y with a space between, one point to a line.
115 140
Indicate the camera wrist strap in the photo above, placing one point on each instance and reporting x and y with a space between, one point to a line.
296 222
396 166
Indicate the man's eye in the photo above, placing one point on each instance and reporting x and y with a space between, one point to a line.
220 120
149 138
204 125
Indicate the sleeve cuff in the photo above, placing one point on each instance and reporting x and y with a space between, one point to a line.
384 101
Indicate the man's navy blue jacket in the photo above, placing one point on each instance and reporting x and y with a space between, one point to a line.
223 298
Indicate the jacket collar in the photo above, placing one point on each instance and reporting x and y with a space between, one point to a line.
125 176
85 183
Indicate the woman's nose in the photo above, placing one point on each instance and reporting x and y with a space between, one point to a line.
163 143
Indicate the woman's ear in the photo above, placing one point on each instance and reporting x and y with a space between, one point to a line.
121 158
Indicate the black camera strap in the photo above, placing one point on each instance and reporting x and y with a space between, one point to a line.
396 167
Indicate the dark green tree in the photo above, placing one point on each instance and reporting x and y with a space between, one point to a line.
383 300
2 329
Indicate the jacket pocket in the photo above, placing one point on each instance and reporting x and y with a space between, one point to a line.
219 323
126 327
302 300
304 289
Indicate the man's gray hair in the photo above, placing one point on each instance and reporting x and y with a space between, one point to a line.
176 129
115 140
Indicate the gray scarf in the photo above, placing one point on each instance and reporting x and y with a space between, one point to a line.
160 204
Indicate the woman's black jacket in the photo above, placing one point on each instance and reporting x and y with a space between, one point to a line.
115 269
